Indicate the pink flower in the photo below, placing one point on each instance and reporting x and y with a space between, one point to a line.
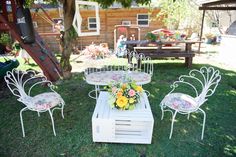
175 105
131 92
114 89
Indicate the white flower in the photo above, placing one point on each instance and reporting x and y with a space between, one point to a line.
111 100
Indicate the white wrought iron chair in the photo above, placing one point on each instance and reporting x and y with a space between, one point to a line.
140 62
202 84
21 84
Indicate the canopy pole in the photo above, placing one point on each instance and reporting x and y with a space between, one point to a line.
203 16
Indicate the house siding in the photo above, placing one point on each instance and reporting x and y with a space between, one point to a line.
108 19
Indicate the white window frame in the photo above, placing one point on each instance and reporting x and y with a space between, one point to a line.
142 20
77 22
89 28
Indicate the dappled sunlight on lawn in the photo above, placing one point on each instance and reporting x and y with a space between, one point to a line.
74 133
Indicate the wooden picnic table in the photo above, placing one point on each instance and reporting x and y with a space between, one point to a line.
160 49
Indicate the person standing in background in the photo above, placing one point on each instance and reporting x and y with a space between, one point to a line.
21 52
121 47
25 56
59 27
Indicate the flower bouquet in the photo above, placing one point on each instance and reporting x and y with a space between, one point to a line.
96 52
124 96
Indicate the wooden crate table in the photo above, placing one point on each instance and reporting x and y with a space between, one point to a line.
129 126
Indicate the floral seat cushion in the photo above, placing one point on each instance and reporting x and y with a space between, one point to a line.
46 101
180 102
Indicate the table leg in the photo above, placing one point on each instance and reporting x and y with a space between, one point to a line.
188 60
96 91
188 47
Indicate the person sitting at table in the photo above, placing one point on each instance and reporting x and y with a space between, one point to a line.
121 47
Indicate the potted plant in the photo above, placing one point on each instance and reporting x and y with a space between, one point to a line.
151 39
5 39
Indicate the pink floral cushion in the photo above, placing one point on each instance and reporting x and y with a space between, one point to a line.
46 101
180 102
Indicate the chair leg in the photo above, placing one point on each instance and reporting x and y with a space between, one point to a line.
62 109
172 124
21 120
90 94
188 116
162 113
96 91
50 113
203 124
38 114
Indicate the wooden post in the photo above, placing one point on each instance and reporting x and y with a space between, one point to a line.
188 60
203 16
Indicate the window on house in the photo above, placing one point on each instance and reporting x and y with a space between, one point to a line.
143 20
92 24
126 23
82 28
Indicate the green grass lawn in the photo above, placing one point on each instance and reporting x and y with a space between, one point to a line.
74 133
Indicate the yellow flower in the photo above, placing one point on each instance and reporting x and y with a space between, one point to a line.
139 88
124 86
122 101
131 100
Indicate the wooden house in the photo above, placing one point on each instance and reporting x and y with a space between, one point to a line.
141 18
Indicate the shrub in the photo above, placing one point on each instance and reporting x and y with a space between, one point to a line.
5 39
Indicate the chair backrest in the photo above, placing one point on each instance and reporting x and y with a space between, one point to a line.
17 81
133 62
203 82
139 62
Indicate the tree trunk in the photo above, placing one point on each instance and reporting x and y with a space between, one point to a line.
68 11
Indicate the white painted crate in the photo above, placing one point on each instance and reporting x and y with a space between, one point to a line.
112 125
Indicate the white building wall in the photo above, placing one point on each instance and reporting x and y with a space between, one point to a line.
227 18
